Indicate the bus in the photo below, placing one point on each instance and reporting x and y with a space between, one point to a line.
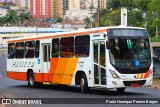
105 57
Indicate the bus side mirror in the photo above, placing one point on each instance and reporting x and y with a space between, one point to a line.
108 44
154 69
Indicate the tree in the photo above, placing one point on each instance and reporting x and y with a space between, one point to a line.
136 18
115 4
87 21
142 4
2 21
154 8
11 17
59 19
24 17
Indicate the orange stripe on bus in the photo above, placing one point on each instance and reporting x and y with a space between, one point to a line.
141 76
62 63
17 75
53 65
137 76
69 71
147 74
39 77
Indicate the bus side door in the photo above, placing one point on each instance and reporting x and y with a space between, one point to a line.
46 61
99 57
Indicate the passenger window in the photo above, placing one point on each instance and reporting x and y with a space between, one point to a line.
82 46
11 50
19 50
67 48
29 49
55 48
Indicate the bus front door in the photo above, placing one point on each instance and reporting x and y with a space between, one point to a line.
46 61
99 58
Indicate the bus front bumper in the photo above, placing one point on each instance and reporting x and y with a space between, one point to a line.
119 83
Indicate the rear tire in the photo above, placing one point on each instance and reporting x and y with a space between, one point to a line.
121 90
31 80
83 83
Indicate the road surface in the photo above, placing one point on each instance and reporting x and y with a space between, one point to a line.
18 89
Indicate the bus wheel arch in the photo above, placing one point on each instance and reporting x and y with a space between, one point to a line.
81 79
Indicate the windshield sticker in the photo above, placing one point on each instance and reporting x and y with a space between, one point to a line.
136 63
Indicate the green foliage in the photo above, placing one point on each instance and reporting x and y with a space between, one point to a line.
23 17
154 6
142 4
135 18
59 19
115 4
141 13
155 39
12 19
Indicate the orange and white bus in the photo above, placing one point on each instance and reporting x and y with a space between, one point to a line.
105 57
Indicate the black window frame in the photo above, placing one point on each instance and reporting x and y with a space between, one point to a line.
37 49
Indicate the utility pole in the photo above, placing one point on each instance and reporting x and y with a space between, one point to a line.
98 14
91 17
64 8
36 27
63 21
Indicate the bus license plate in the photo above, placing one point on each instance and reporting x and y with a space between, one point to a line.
134 85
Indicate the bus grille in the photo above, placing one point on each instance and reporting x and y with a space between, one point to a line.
129 83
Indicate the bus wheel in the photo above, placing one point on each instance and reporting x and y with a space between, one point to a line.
83 83
121 89
31 80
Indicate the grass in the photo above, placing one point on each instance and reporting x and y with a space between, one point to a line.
157 79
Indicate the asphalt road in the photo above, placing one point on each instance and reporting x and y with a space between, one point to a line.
18 89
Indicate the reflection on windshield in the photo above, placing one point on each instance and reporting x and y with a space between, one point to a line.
130 52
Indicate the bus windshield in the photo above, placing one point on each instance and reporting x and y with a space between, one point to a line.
130 52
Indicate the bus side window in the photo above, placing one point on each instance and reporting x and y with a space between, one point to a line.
67 48
82 45
29 49
37 49
55 47
11 50
19 53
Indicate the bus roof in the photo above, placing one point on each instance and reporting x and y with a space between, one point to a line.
71 33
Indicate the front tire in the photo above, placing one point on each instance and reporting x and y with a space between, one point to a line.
121 90
83 84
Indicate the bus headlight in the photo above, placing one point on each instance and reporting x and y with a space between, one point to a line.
151 74
114 75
